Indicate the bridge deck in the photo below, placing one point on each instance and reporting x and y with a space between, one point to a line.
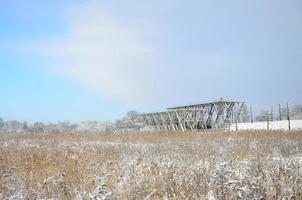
218 114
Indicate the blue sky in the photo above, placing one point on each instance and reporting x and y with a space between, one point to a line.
95 60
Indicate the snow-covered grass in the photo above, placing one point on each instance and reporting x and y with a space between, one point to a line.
215 165
272 125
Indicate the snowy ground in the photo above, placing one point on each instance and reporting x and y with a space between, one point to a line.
215 165
273 125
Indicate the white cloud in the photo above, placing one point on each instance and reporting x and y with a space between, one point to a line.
107 53
117 57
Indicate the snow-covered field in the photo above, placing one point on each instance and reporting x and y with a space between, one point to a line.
273 125
215 165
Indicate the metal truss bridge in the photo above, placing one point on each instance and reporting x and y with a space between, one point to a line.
212 115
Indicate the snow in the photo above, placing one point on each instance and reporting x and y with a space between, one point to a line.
272 125
207 168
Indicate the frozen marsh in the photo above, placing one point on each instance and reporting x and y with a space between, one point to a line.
214 165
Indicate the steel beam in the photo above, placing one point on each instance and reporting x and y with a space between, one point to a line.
210 115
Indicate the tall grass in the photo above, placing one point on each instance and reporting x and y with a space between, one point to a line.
214 165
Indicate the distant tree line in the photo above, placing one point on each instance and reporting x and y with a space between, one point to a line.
129 123
132 122
270 114
14 126
282 113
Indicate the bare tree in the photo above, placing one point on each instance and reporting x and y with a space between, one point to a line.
245 114
1 122
263 116
37 127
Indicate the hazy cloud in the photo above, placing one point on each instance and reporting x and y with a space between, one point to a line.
119 57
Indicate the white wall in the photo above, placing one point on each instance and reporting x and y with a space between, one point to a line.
274 125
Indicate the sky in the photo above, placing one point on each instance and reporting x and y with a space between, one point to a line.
95 60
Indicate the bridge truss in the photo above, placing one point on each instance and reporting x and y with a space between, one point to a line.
212 115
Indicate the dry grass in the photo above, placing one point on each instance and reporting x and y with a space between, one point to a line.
215 165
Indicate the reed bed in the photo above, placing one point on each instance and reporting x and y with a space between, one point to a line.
159 165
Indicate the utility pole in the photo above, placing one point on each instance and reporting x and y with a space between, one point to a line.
280 117
237 123
288 116
267 118
272 114
251 112
106 126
